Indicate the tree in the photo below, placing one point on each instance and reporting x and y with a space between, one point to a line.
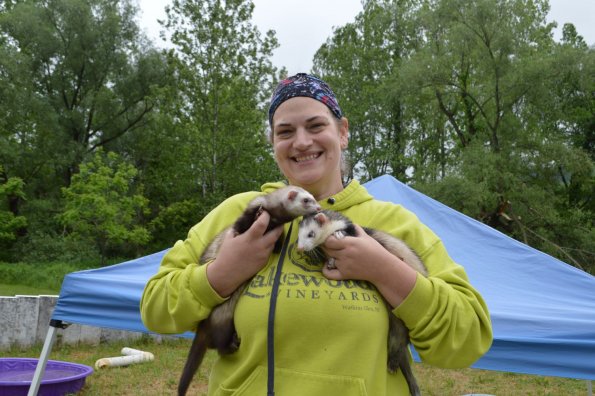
478 107
224 79
10 190
104 206
75 75
358 61
501 82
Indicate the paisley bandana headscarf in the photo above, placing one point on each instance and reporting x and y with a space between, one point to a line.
303 84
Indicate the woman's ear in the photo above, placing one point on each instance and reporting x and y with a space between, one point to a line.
344 133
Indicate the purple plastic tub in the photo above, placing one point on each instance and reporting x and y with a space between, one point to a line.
60 378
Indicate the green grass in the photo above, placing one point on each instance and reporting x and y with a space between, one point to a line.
12 290
160 377
34 278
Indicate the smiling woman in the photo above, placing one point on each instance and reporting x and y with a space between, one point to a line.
308 133
340 344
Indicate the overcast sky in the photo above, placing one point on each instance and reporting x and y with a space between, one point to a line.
302 26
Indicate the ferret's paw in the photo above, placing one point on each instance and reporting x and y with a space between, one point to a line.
232 347
330 263
392 363
235 342
339 234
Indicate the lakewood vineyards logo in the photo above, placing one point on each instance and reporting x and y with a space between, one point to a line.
304 261
306 282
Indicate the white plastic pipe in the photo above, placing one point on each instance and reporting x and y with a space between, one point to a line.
131 351
131 356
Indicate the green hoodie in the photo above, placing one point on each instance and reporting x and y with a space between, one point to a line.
330 336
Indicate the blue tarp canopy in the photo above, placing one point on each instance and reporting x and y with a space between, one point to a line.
543 310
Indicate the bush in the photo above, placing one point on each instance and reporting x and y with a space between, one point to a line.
41 247
46 276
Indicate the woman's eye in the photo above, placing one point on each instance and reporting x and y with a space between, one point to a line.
283 132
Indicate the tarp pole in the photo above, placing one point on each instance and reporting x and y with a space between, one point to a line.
50 338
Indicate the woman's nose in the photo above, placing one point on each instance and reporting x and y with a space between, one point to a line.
302 139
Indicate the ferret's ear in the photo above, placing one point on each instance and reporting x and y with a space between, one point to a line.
320 218
291 195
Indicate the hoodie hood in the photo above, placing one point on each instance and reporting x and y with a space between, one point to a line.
353 194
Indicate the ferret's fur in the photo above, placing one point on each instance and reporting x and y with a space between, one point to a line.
217 331
313 232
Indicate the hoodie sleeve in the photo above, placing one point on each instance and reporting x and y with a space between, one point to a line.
179 295
448 320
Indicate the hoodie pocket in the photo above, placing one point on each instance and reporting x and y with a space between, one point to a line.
297 383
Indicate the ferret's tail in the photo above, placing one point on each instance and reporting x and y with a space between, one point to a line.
405 367
398 353
195 357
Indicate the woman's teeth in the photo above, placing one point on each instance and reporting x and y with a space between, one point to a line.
306 158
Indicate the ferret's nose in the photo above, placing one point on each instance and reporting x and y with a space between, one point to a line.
300 248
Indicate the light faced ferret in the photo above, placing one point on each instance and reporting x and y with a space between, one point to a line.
313 231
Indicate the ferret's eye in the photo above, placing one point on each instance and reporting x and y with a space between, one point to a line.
311 234
306 200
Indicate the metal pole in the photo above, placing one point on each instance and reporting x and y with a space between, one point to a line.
589 388
50 338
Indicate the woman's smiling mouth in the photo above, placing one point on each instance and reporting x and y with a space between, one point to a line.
305 158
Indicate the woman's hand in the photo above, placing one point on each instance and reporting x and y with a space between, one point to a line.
241 256
363 258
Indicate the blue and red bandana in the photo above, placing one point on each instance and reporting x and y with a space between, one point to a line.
303 84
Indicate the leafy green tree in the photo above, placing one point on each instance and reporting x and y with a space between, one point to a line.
75 76
163 154
104 206
357 61
478 106
11 189
207 138
225 77
501 82
478 61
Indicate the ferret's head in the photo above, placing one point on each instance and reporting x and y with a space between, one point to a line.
309 232
300 202
313 231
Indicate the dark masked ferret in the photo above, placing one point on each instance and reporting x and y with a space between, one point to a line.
316 228
217 331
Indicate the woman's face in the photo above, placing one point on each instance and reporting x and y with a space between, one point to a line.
307 142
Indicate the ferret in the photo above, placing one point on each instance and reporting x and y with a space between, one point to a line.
217 331
313 231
